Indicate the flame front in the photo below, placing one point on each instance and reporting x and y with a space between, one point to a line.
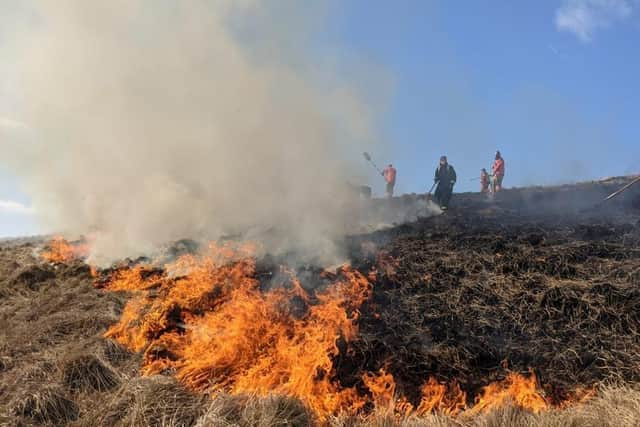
437 397
206 320
515 389
61 251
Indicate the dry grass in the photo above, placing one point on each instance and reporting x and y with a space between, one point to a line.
86 372
149 401
244 411
613 407
55 368
45 405
54 365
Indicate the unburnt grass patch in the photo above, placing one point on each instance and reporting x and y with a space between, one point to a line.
48 404
86 372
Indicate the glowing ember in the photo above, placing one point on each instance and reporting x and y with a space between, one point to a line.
61 251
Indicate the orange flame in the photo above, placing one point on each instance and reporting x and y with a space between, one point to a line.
383 390
206 320
437 397
515 389
61 251
93 270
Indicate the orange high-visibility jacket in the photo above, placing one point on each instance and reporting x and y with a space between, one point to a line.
498 167
390 175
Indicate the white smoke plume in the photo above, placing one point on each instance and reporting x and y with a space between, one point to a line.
158 120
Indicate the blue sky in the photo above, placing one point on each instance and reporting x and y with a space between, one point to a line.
559 100
553 84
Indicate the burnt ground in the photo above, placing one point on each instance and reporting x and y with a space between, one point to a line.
540 278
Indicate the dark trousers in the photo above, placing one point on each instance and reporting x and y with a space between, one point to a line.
443 193
390 186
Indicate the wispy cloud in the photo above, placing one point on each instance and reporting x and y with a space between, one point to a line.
13 207
584 17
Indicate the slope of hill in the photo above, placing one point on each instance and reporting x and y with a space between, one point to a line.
540 280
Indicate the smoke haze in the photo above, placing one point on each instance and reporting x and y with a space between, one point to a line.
158 120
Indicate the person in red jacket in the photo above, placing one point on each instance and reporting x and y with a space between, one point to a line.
497 170
389 174
484 181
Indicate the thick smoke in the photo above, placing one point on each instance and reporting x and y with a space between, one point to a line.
158 120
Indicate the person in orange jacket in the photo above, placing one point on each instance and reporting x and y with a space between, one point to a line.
389 174
484 181
497 172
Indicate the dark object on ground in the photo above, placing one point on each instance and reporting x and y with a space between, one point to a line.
32 276
364 191
360 191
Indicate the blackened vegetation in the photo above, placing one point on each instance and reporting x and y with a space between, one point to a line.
491 287
542 278
32 276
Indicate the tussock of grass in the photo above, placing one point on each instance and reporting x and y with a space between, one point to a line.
86 372
47 405
114 353
244 411
31 276
149 401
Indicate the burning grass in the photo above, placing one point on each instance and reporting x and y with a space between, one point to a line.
483 317
59 250
473 296
207 320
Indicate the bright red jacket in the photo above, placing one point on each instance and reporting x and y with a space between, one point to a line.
390 175
498 167
484 179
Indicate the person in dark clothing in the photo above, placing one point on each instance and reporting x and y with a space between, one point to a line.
446 178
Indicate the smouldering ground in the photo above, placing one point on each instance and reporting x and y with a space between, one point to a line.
539 280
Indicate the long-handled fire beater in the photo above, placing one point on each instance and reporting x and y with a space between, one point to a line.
615 193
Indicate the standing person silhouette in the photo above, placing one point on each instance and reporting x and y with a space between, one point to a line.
445 177
389 174
497 172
